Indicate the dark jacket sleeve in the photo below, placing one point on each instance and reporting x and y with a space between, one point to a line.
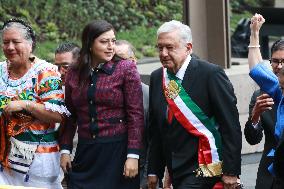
133 100
253 135
69 126
226 114
156 162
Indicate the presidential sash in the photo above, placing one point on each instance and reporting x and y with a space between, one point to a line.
197 123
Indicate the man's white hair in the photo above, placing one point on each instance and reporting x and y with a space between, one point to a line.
174 25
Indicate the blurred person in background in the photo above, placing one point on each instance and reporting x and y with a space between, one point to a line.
66 53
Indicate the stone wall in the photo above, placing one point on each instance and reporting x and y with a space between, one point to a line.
279 3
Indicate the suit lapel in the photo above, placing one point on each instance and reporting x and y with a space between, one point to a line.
161 96
187 82
190 74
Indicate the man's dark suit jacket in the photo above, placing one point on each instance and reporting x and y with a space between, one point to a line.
172 145
254 136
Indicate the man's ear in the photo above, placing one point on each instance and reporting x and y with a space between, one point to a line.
189 47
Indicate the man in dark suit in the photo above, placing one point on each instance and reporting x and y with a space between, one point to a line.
262 114
194 121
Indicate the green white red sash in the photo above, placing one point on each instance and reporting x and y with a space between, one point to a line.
195 121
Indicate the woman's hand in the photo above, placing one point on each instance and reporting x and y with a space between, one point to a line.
14 106
256 22
131 168
36 109
65 162
263 103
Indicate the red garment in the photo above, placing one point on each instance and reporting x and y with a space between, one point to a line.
110 104
11 126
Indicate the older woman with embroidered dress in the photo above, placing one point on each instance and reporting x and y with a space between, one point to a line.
32 101
104 96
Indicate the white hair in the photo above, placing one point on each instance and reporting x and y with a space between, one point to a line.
21 29
174 25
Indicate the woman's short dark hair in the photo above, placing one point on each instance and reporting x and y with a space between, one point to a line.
277 45
91 31
29 33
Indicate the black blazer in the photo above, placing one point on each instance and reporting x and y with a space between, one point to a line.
254 136
172 145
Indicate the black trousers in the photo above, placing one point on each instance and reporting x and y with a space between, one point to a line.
193 182
278 183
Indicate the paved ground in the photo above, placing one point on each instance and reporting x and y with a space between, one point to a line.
249 169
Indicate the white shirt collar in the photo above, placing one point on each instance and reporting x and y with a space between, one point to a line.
181 71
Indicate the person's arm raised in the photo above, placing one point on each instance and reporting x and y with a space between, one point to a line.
254 54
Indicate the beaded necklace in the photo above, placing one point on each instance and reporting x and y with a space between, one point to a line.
16 80
10 73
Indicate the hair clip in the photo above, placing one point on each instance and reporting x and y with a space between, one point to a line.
17 20
20 21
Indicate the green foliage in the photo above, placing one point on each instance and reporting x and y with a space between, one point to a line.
240 6
135 20
161 10
45 50
239 11
70 16
51 31
259 3
235 18
57 20
142 38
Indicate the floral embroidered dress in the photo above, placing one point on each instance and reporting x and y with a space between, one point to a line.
29 146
